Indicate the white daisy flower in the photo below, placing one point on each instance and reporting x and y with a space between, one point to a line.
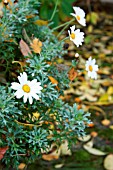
76 36
79 15
26 89
91 67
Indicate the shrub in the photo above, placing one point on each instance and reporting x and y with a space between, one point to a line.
33 116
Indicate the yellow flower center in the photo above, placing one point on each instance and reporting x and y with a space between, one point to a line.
78 17
90 68
26 88
72 35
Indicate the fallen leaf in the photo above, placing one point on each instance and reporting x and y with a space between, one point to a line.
84 138
59 166
3 151
21 166
94 134
93 151
91 125
54 155
90 143
111 127
72 74
104 97
64 149
53 80
108 162
36 45
105 122
110 90
24 48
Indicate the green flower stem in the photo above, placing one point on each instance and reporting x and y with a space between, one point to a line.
54 11
64 39
62 25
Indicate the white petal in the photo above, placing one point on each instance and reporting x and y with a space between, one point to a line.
19 94
35 96
96 67
22 78
15 86
79 11
25 97
72 28
74 15
30 99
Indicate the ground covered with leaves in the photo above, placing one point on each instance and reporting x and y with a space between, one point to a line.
95 151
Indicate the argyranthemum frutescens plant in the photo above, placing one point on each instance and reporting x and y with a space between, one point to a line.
32 114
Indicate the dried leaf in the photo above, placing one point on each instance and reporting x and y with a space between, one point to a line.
84 138
53 80
22 63
36 45
64 149
93 151
72 74
59 166
105 122
94 134
90 143
24 48
3 151
21 166
111 127
104 97
108 162
91 125
54 155
110 90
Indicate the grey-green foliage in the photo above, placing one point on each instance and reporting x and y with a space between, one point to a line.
25 143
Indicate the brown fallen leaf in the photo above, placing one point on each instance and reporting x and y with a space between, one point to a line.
72 74
36 45
94 134
24 48
53 155
3 151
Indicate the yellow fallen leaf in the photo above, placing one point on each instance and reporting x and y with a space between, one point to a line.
111 127
105 122
108 162
53 80
21 166
110 90
36 45
104 97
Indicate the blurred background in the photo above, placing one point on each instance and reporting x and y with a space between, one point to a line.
95 151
